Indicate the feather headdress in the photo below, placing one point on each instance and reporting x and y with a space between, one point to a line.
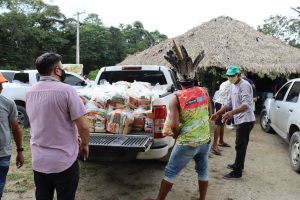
182 64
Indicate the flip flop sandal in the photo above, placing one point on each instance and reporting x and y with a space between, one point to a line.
224 145
214 151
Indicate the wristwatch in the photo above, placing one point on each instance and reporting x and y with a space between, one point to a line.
20 149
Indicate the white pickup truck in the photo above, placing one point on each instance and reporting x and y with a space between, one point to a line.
20 81
137 145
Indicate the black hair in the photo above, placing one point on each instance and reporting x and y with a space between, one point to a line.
187 83
46 62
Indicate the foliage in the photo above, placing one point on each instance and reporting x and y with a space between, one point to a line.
92 75
211 78
29 28
283 28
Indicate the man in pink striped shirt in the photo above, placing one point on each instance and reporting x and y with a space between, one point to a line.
55 113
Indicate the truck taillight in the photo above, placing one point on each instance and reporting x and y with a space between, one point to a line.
160 114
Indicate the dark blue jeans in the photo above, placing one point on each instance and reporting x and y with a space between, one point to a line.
241 142
4 167
65 183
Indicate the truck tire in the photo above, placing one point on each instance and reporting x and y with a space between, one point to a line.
264 122
294 151
22 116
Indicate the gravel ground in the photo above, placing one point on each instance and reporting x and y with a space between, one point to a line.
267 176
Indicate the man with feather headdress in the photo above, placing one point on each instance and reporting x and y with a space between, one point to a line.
189 115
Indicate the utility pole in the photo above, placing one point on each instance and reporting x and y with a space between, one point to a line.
77 38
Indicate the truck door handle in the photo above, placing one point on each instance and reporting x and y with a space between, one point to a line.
278 106
291 110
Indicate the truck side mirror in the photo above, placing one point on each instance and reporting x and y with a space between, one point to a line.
83 83
171 88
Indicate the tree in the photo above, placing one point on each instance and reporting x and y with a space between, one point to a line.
94 39
280 27
28 29
283 28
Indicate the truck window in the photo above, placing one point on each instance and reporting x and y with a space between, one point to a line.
22 78
152 77
9 76
73 80
173 79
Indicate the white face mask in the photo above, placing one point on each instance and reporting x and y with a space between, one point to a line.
233 79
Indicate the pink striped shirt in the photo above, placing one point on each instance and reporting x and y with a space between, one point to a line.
52 107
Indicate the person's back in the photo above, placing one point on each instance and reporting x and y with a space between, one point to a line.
6 111
189 114
51 110
56 115
224 92
194 116
8 124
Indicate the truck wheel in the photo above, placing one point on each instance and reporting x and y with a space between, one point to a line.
264 122
294 151
22 116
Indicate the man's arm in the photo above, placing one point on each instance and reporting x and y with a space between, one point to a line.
174 116
229 114
215 116
246 102
17 134
83 130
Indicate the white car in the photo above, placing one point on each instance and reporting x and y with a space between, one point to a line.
20 81
281 114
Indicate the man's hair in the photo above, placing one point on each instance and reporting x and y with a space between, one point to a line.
187 84
46 62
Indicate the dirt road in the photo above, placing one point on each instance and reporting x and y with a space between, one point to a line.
267 176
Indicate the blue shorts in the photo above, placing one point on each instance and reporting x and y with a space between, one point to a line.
181 155
4 166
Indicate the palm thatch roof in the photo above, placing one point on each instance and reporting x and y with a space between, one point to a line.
227 41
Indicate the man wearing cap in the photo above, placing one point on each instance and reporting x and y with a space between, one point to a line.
8 122
241 103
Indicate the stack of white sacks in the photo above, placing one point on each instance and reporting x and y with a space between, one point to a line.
121 107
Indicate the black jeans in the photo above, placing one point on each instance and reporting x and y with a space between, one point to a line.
65 183
241 142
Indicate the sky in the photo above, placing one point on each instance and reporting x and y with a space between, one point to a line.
174 17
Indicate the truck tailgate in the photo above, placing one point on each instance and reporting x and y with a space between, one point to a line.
134 143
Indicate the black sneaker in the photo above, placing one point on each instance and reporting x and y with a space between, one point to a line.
230 166
232 176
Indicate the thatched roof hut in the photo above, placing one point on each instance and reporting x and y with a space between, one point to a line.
228 42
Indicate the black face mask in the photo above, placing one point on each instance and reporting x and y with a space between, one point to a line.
63 75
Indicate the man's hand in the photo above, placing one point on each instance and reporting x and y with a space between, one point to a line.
83 139
19 160
17 134
227 116
214 117
84 151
